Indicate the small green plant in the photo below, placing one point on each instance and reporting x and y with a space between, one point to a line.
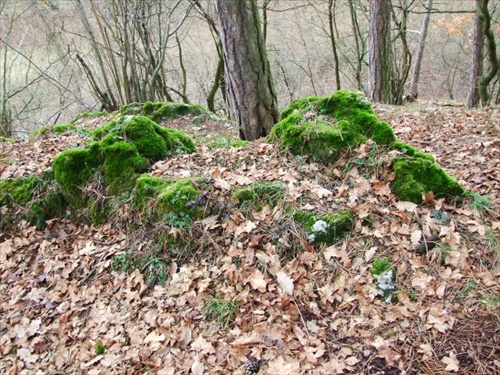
125 262
99 348
380 266
155 269
178 219
220 310
479 202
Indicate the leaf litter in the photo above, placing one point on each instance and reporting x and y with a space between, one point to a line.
302 308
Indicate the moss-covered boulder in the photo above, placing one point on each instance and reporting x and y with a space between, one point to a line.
326 228
180 197
163 110
38 196
123 149
18 191
412 151
153 141
63 128
260 193
416 176
323 126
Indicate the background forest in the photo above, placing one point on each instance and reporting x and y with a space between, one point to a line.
60 58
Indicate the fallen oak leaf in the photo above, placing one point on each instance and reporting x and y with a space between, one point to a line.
451 362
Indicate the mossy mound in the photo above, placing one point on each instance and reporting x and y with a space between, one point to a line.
180 197
417 176
7 139
163 110
123 149
260 193
327 228
323 126
38 196
18 191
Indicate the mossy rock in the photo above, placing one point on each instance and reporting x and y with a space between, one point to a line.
38 195
163 110
63 128
328 228
153 141
74 167
17 191
322 126
416 176
412 151
171 196
122 162
260 193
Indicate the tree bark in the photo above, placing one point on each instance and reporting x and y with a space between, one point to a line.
491 51
379 53
420 52
249 85
477 60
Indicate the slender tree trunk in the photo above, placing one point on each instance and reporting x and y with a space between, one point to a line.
331 21
477 60
249 85
380 51
420 52
360 45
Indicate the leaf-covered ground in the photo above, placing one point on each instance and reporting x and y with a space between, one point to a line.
299 308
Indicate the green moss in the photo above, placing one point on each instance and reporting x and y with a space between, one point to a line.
122 162
74 167
18 191
379 266
89 114
225 141
175 197
153 142
411 151
330 227
322 126
172 196
62 128
416 176
6 139
305 218
40 131
145 135
163 110
260 193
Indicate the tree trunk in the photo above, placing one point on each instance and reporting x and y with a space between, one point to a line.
420 52
249 85
331 21
477 60
491 51
379 65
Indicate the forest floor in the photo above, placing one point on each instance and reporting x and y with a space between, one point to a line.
253 287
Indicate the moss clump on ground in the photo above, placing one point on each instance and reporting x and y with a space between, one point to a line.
17 191
62 128
163 110
38 195
260 193
411 151
328 228
323 126
123 149
179 197
7 139
415 177
74 167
